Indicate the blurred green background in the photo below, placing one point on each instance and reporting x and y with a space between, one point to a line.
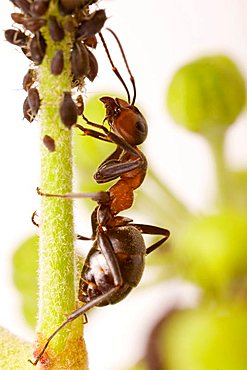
209 249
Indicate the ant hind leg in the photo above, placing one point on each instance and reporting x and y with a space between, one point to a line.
80 311
153 230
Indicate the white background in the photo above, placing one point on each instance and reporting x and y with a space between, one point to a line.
158 37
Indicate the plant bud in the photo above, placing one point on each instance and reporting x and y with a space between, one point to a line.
206 93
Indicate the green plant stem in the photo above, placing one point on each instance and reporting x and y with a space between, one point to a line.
216 140
57 293
56 261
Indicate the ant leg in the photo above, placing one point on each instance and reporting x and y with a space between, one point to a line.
33 218
93 133
94 222
110 169
101 197
80 311
109 136
111 259
153 230
101 127
104 242
113 156
114 168
81 237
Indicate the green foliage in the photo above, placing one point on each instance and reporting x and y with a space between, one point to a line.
205 339
25 276
239 197
206 96
207 93
211 251
140 366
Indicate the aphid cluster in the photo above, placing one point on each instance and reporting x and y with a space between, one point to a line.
31 18
115 263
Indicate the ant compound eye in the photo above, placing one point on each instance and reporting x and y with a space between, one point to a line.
141 127
141 131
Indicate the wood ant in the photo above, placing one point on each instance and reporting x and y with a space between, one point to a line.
115 263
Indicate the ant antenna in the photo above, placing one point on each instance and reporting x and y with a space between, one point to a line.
115 70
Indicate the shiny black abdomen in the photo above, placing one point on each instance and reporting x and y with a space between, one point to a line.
96 278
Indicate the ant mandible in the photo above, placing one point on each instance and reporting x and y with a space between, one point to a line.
115 263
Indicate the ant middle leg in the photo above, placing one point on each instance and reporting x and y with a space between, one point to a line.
100 217
101 197
78 236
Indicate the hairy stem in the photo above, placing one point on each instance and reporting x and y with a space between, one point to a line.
57 265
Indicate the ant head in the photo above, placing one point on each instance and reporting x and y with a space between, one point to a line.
123 117
115 70
125 120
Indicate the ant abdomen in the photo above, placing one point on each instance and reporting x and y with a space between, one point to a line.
96 278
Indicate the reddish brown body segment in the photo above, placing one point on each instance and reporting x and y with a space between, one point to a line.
127 162
122 193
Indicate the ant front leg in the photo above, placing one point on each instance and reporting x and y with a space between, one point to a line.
107 136
93 133
115 166
153 230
